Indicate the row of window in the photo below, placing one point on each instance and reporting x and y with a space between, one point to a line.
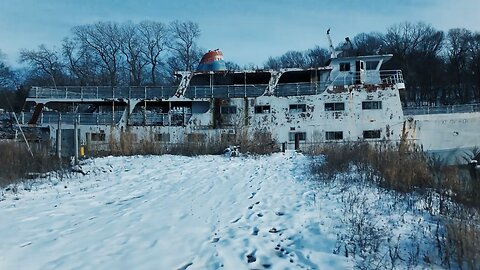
335 135
299 108
302 136
369 65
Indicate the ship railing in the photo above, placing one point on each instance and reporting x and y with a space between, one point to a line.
68 118
388 77
226 91
423 110
297 89
159 119
391 76
102 92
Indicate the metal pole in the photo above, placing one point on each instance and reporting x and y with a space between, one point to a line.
59 136
75 138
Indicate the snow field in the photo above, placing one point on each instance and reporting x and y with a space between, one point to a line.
173 212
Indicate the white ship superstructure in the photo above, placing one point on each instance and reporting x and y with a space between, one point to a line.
351 99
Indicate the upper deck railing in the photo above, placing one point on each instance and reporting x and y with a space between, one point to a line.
423 110
226 91
388 77
298 89
102 92
107 118
212 91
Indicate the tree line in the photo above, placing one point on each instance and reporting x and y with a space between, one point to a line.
438 67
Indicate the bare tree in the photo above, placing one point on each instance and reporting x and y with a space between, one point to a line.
232 65
272 63
293 59
317 57
45 60
474 63
153 36
131 47
103 38
6 74
183 44
368 44
81 62
457 47
416 49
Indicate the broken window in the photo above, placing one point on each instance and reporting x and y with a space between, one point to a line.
162 137
297 108
371 105
262 109
196 138
302 136
372 65
228 110
97 137
344 66
334 135
335 106
371 134
228 138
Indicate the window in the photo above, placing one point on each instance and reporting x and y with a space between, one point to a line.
297 108
228 110
372 65
228 138
162 137
371 134
334 135
371 105
302 136
335 106
97 137
262 109
196 137
344 66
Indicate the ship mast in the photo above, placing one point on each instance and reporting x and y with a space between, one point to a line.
333 53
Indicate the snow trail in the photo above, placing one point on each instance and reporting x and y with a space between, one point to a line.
172 212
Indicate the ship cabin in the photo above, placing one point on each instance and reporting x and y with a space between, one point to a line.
357 70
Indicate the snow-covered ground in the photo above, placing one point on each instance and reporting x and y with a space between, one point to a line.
174 212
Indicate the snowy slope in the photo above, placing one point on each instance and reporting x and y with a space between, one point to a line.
171 212
210 212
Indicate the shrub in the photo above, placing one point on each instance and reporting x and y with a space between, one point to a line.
18 164
463 244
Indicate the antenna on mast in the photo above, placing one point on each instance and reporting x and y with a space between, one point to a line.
333 53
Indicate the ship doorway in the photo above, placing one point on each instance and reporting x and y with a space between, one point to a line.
359 71
297 141
67 142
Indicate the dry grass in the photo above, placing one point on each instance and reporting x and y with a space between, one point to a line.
194 145
463 244
18 164
385 164
449 192
399 168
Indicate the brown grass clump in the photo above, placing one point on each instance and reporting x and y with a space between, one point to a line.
18 164
463 244
384 164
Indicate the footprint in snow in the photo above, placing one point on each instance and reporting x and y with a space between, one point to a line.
273 230
185 266
236 220
251 257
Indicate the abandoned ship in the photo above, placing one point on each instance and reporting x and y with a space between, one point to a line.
349 99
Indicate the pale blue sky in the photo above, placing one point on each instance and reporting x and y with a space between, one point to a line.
247 31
